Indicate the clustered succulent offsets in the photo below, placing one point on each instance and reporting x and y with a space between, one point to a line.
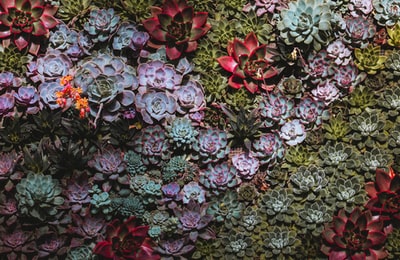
191 129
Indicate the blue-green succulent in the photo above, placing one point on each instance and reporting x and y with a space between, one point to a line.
100 202
134 163
386 12
128 206
101 24
278 205
390 99
181 132
269 148
39 196
237 246
306 22
338 155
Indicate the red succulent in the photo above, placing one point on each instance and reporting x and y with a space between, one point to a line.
176 26
356 236
384 195
126 241
23 20
249 63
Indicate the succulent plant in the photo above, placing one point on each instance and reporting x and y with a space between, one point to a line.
347 78
368 126
181 132
127 240
393 34
249 222
219 177
310 182
176 168
348 192
237 245
127 36
190 98
100 201
246 165
311 112
293 132
211 145
269 149
193 191
278 205
38 196
159 75
174 247
226 209
17 243
374 159
76 191
306 23
370 59
49 243
13 60
176 26
320 66
134 163
152 144
249 63
392 62
8 162
313 216
363 7
326 92
384 195
360 99
263 6
101 24
275 108
385 13
354 234
109 84
7 104
338 155
26 23
80 252
358 31
128 206
339 52
50 66
291 86
280 243
27 97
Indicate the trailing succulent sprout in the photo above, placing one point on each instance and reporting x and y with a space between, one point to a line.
108 82
38 196
348 192
306 23
385 12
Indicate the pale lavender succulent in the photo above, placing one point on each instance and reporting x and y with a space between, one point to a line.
219 177
154 105
348 77
275 108
28 97
48 97
171 190
152 144
358 31
128 36
326 92
360 7
293 132
268 148
49 67
193 218
7 103
190 97
9 81
319 66
211 145
193 191
174 247
338 51
8 161
60 37
246 165
263 6
158 75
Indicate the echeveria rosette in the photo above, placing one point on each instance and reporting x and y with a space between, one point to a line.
311 112
387 12
176 26
358 31
126 240
370 59
154 105
354 235
219 177
7 104
249 63
211 145
306 22
159 75
190 98
101 24
293 132
384 195
246 165
192 191
28 98
275 108
269 148
26 22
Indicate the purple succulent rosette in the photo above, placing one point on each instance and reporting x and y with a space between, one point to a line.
293 132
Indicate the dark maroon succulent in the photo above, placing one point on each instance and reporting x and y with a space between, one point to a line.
25 21
77 191
175 247
249 62
8 209
8 162
176 26
87 228
356 236
50 244
126 240
16 243
384 195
